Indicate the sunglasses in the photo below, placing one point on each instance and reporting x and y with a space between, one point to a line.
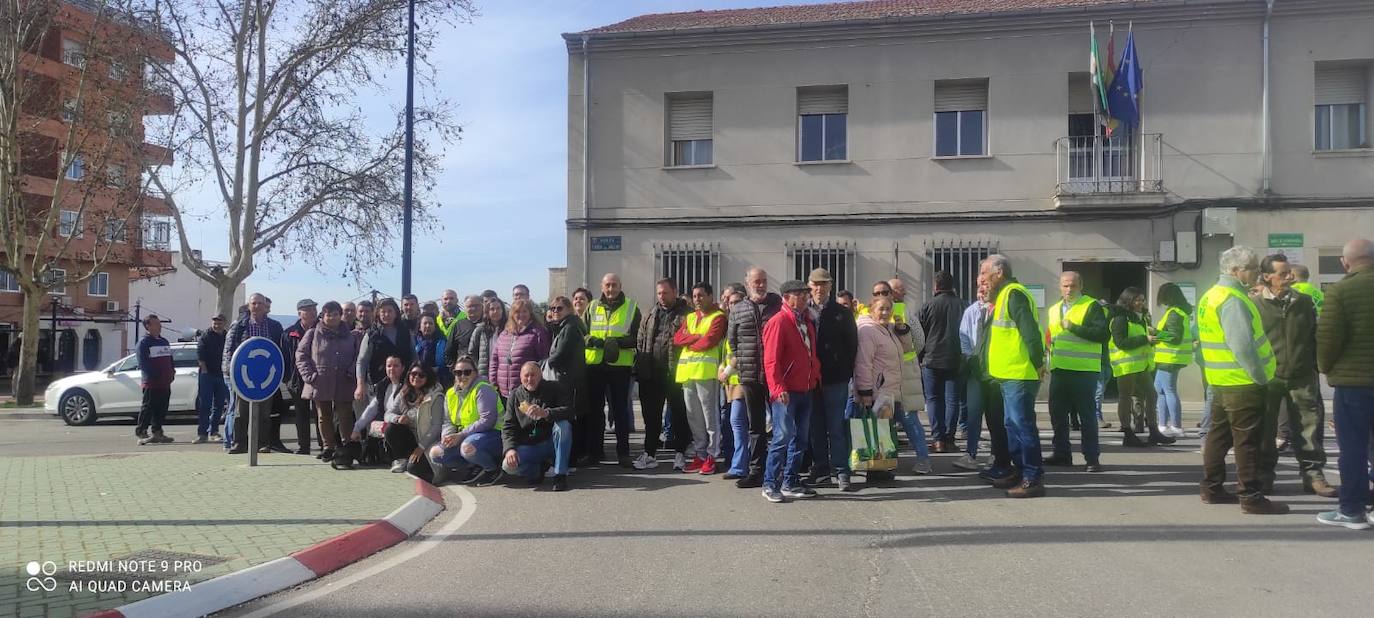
882 292
556 309
464 372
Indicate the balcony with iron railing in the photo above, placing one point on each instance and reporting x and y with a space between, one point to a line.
1095 171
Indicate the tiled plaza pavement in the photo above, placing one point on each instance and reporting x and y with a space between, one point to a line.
147 508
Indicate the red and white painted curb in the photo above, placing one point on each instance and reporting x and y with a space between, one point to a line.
323 558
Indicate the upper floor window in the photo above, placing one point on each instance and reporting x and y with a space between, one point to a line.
56 281
98 285
157 232
115 231
69 224
961 118
118 70
823 123
73 53
69 110
76 169
1340 92
690 129
8 282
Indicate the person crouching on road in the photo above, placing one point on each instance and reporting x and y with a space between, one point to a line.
791 370
878 374
700 348
414 421
471 430
536 428
325 361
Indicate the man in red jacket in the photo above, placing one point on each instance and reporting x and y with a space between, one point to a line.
792 371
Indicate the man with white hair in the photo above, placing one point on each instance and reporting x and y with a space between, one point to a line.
1016 360
1238 363
1345 353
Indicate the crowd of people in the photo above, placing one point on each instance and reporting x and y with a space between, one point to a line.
762 386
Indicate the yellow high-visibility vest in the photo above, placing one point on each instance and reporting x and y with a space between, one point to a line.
1219 364
1008 358
446 326
464 413
694 365
1132 360
1316 293
1067 350
1180 353
610 325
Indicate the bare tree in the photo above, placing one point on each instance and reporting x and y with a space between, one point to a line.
71 145
269 116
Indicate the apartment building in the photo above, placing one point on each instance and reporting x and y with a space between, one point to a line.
91 319
903 137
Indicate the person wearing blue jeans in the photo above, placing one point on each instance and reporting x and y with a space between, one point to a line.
1016 359
536 427
940 358
1170 408
791 419
837 345
941 388
212 393
792 372
739 429
212 398
1345 354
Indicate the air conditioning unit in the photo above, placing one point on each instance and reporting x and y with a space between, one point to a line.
111 306
1219 221
79 310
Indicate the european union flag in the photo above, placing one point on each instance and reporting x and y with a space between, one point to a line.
1124 96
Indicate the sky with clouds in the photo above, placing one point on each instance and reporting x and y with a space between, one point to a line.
506 73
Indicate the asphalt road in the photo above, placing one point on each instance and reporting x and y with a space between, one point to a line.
1133 541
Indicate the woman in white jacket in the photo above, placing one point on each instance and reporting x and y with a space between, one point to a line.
878 375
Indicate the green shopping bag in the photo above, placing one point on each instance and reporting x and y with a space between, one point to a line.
877 451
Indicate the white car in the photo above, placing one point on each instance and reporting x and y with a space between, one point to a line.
117 390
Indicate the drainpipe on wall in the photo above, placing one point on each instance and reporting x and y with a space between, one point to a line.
586 166
1266 162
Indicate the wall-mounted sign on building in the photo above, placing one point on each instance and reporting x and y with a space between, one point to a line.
605 243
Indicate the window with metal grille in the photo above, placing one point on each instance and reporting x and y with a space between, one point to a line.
836 257
687 264
959 258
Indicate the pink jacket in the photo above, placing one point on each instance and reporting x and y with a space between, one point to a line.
878 368
509 352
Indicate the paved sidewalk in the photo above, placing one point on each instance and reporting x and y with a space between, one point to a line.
132 517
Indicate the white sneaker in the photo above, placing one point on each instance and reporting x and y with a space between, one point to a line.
645 462
399 465
1178 432
964 462
1164 430
679 462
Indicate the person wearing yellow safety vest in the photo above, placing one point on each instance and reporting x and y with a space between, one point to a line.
1301 285
1293 402
1016 359
1132 356
471 435
1239 364
1173 352
700 356
1077 330
612 327
449 314
536 428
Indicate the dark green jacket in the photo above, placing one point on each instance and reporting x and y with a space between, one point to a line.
1290 324
1345 332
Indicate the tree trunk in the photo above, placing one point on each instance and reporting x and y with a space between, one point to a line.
26 372
225 288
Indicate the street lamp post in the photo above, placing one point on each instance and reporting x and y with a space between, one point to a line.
410 149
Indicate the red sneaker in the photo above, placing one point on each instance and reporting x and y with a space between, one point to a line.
708 466
695 466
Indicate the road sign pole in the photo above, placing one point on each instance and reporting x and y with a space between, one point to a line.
252 434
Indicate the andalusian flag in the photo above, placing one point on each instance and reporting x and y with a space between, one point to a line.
1100 79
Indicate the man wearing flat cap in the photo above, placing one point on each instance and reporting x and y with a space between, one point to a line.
837 345
792 372
306 315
